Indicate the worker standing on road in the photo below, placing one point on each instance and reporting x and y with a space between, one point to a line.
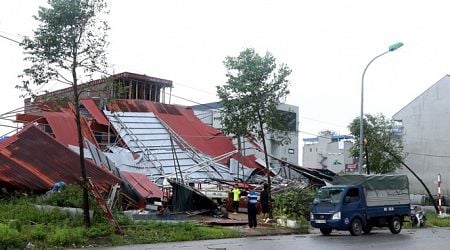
252 198
236 197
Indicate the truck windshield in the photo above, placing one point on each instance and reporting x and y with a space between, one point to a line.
330 195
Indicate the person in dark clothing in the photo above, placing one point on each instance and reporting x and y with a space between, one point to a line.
244 192
264 199
252 198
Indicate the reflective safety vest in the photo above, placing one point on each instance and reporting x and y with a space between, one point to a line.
236 194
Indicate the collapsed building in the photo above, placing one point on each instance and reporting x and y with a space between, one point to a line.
135 141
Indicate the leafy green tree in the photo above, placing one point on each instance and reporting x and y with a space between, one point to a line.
294 203
254 89
68 44
379 134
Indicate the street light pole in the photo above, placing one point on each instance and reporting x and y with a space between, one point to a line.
361 117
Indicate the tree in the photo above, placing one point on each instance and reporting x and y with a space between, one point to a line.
68 44
379 134
251 95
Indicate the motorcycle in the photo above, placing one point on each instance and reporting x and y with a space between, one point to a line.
418 217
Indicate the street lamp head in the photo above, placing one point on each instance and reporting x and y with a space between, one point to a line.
395 46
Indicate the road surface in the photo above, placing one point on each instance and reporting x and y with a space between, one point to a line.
422 238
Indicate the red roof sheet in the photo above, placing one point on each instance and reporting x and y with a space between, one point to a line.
33 160
142 185
30 118
184 122
93 109
248 161
64 127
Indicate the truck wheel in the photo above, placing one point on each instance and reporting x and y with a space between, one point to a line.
395 225
367 229
356 227
325 231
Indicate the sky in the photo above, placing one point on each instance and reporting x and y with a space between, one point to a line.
326 43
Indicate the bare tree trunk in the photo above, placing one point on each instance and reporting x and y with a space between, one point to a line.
84 183
240 152
266 158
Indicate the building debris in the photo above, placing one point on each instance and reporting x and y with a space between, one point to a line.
156 155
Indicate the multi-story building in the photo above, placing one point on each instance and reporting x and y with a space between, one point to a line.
328 151
119 86
210 114
424 126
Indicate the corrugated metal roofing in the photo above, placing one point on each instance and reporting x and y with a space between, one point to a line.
184 122
96 113
142 185
30 118
187 125
64 127
248 161
62 124
33 160
143 133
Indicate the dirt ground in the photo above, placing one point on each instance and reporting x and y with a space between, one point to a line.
239 223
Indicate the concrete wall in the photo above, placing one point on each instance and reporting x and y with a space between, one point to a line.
288 152
426 137
327 154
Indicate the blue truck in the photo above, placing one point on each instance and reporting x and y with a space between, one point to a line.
358 203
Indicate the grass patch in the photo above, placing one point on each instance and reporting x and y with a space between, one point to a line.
434 220
10 237
154 232
68 237
21 222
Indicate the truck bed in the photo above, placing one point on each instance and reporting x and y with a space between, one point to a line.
386 197
379 190
388 210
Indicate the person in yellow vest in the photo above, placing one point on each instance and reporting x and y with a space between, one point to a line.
236 197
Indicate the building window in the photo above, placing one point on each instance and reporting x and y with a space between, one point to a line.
288 120
291 151
310 149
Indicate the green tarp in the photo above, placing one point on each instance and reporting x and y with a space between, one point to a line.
374 182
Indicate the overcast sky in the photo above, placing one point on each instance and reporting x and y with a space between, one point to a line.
327 44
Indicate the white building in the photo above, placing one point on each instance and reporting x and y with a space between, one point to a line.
328 151
210 114
425 128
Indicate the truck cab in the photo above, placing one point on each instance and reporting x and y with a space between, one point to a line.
361 206
336 206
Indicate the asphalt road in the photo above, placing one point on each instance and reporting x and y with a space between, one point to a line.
422 238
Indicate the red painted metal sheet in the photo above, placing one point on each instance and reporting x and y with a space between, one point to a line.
143 185
248 161
93 109
33 160
25 118
64 127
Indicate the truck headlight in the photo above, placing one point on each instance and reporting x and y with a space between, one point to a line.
336 216
311 216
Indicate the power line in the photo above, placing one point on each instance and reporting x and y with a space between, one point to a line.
432 155
329 123
199 90
10 39
195 102
11 34
189 100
